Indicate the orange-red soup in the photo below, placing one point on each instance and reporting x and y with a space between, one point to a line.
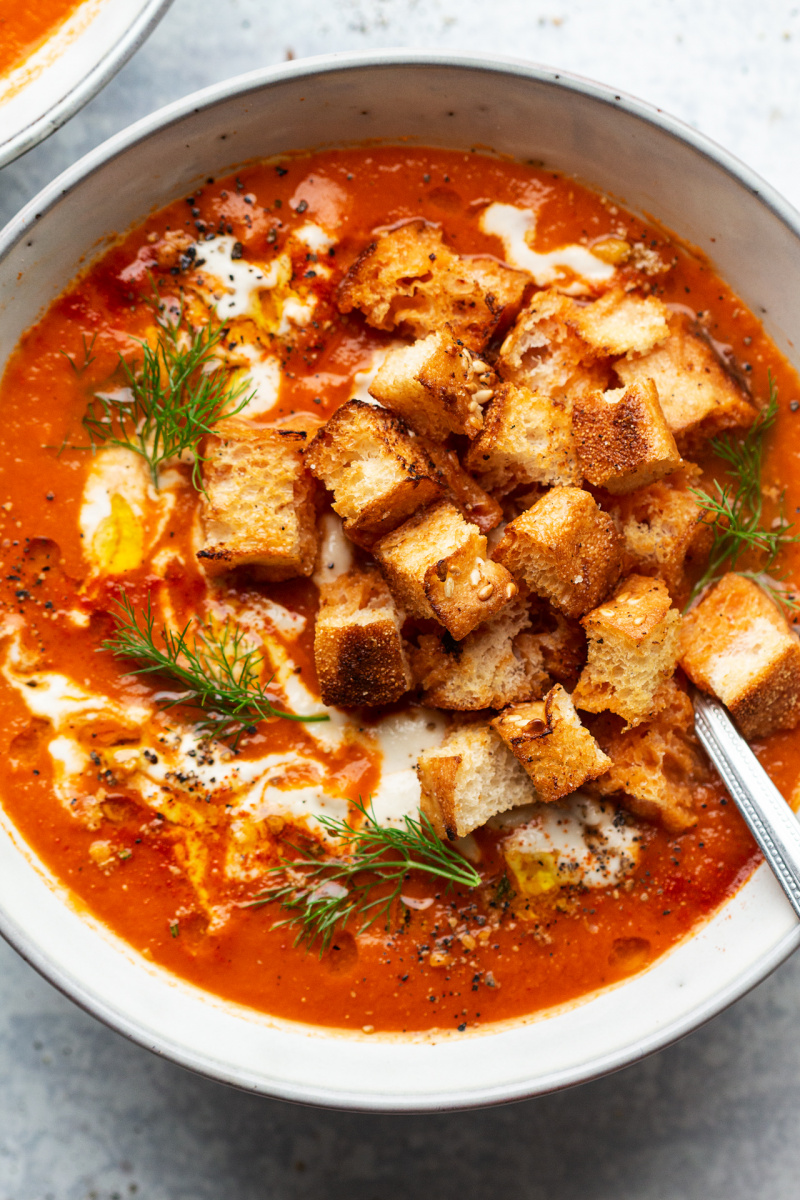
26 24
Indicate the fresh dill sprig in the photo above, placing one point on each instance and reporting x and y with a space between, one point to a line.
88 355
320 894
220 668
176 395
734 511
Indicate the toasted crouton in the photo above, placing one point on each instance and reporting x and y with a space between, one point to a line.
699 397
433 385
436 565
737 645
485 670
619 323
543 351
358 648
553 746
410 280
258 508
376 469
471 777
664 530
633 651
655 764
467 495
527 438
622 438
565 549
556 642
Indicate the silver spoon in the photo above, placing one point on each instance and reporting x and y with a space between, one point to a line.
769 818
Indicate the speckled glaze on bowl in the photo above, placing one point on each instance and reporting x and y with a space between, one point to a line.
652 164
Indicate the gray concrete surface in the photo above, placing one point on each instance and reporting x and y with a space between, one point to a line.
84 1115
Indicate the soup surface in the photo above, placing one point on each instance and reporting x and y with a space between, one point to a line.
25 25
168 836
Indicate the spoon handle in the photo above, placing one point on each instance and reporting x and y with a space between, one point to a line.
769 818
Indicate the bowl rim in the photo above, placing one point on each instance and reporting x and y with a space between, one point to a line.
101 73
242 85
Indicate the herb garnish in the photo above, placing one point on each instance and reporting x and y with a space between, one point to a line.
321 893
219 666
735 510
176 395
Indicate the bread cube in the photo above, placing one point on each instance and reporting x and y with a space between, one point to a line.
655 764
526 439
620 323
622 438
376 469
409 280
471 777
547 737
564 549
555 642
485 670
699 398
459 487
633 650
664 530
358 649
543 351
436 385
737 645
257 509
437 566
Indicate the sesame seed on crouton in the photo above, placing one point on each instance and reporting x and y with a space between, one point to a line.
633 650
565 548
622 438
257 510
378 472
556 750
526 439
737 645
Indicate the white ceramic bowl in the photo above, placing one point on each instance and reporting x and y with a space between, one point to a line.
653 165
49 87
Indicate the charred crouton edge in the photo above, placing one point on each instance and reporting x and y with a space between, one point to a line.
622 438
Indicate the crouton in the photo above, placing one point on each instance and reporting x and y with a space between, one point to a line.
620 323
698 396
471 777
436 385
376 469
436 565
654 765
459 487
555 642
526 439
633 650
543 351
257 509
737 645
622 438
664 530
485 670
547 737
565 549
358 649
410 280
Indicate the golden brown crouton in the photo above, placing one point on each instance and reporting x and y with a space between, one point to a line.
437 566
410 280
633 651
358 648
622 438
376 469
664 531
619 323
737 645
527 438
565 549
485 670
467 495
435 385
471 777
699 397
655 764
553 746
543 351
258 507
556 641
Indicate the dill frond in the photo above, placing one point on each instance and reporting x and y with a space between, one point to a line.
321 894
220 668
